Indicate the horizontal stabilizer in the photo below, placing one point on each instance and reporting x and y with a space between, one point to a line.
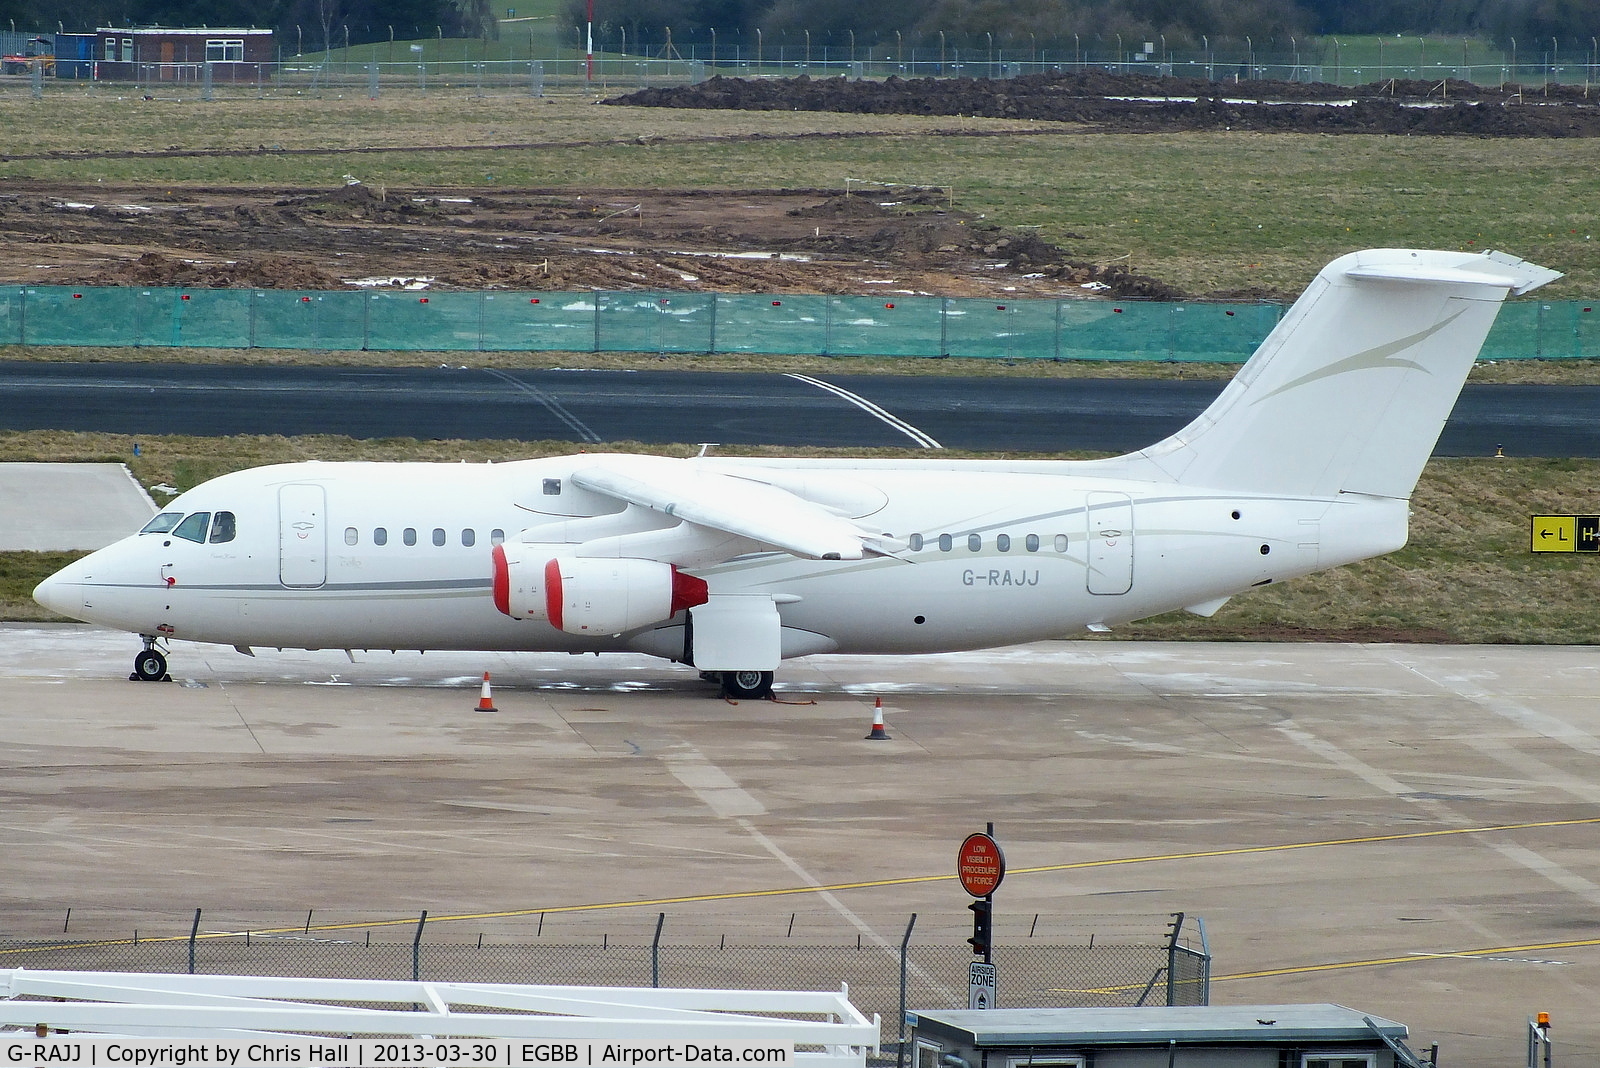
1350 391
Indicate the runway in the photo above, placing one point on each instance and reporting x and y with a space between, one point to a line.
584 406
1404 829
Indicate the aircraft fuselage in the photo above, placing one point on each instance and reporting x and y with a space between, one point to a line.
389 556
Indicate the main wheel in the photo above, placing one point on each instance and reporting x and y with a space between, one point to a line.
150 666
752 684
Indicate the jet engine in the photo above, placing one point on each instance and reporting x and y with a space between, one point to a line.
585 595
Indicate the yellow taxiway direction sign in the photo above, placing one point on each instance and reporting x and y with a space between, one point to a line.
1566 534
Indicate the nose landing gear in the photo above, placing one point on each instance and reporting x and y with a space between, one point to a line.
150 665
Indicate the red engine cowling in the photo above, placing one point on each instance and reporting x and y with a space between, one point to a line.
584 595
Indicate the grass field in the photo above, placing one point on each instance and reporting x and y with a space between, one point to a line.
1467 575
1203 211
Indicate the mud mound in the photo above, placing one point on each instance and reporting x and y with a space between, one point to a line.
848 205
361 201
259 272
1106 101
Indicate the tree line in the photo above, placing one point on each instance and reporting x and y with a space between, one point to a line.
1182 24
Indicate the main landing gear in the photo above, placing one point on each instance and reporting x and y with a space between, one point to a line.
747 684
150 665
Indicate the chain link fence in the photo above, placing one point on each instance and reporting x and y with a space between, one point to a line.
883 979
519 66
674 322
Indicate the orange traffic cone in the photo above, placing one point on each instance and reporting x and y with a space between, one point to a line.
485 703
878 733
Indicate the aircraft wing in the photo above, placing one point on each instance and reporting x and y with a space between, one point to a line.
742 506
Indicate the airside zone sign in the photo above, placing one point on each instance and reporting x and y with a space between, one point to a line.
980 865
1566 534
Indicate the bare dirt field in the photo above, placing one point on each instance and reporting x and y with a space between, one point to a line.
1125 103
761 240
101 231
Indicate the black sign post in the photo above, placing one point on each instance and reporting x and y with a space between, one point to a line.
980 865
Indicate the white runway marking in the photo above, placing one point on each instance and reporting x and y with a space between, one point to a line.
925 440
1537 863
572 422
713 786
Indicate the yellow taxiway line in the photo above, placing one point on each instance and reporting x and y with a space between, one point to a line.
1419 957
789 891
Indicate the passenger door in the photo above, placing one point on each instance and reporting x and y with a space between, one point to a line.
1110 517
302 536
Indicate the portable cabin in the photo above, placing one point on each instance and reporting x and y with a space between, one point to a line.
159 54
1207 1036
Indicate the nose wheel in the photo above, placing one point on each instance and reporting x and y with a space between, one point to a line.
150 665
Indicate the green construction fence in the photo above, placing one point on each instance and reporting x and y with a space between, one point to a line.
674 322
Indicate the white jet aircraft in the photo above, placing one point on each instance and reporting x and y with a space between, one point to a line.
1306 460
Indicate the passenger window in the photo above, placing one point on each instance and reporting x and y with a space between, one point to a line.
944 543
469 537
222 528
380 535
409 535
351 536
438 535
194 528
915 542
1061 543
497 536
162 523
1003 542
974 542
1032 542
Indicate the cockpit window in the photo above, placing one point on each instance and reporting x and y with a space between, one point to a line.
222 527
194 527
162 523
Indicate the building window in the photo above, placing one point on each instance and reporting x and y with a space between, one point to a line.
1050 1061
111 49
380 536
224 51
1338 1060
127 50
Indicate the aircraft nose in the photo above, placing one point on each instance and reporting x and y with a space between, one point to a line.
61 595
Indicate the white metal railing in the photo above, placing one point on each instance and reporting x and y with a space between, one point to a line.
212 1006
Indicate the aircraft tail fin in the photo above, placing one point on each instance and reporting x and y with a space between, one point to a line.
1350 391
